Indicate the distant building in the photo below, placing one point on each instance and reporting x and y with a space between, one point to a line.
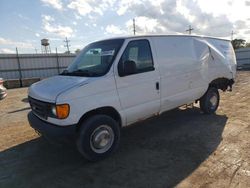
243 58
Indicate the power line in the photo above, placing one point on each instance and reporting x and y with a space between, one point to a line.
190 30
67 44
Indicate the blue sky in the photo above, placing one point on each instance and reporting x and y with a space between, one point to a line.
25 22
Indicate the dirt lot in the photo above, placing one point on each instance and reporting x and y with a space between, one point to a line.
181 148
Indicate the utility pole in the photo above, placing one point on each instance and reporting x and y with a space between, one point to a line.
19 68
36 50
190 29
232 35
57 62
67 44
134 25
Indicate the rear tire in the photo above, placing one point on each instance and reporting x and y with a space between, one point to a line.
209 102
98 137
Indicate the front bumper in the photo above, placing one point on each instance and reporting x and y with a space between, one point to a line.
50 130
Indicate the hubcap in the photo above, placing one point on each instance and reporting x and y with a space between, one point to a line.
213 101
102 139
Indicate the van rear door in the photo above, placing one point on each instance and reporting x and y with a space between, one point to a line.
138 86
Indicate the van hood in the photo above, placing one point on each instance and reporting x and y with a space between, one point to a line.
48 89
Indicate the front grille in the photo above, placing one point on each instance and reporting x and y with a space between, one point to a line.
40 108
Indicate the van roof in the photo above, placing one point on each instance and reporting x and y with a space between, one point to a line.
162 35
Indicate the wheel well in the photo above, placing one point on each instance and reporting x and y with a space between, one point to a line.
109 111
222 83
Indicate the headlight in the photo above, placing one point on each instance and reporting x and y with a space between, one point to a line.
53 110
60 111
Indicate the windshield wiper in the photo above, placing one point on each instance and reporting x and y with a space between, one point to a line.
64 72
79 72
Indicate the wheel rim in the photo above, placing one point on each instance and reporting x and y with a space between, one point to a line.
102 139
213 101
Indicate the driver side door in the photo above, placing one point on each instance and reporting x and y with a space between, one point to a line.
139 92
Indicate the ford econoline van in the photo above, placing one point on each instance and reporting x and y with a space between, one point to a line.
116 82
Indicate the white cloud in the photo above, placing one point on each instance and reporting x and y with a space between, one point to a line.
7 51
124 5
57 4
87 7
215 18
174 16
14 44
183 10
48 18
77 16
145 25
82 7
59 30
112 29
23 17
234 10
127 5
50 27
168 16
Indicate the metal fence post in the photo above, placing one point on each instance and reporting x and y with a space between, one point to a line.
19 69
57 62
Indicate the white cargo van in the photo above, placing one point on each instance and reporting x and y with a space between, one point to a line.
116 82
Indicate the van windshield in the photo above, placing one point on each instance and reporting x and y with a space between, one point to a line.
95 59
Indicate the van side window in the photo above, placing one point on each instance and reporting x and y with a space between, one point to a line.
139 51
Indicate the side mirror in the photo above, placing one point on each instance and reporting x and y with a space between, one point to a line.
126 68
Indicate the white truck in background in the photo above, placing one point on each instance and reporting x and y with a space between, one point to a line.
116 82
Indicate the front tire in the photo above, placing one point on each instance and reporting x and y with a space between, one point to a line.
209 102
98 137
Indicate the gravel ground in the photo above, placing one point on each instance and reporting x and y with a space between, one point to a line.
181 148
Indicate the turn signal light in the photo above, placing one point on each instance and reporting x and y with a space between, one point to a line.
62 111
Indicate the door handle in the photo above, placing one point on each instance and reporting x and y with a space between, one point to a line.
157 86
